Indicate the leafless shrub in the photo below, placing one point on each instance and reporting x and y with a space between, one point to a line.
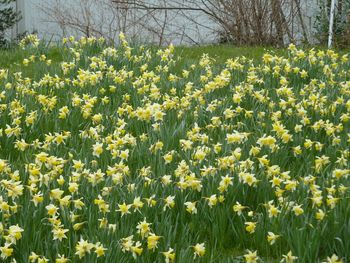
88 18
248 22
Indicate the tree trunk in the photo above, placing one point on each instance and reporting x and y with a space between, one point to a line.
277 19
300 15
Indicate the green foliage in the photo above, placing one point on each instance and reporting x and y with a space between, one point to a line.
340 27
299 99
8 18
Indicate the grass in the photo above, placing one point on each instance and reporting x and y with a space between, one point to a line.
12 58
125 154
223 52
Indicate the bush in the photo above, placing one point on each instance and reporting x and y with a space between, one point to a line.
8 18
341 27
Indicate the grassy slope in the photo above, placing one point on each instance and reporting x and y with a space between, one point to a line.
10 58
222 52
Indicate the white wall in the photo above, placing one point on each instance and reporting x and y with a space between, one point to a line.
35 19
180 30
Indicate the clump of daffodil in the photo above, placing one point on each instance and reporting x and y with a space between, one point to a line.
129 143
199 250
